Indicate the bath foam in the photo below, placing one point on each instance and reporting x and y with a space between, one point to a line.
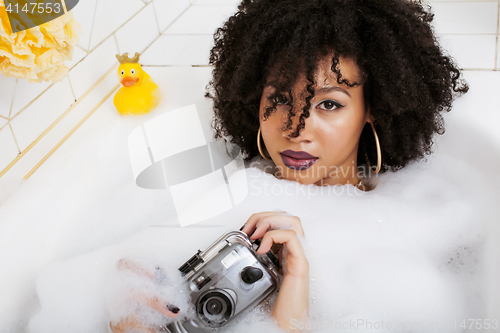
407 253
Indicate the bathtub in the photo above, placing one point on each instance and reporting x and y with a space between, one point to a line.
54 217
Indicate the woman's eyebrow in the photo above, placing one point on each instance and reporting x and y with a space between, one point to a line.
327 89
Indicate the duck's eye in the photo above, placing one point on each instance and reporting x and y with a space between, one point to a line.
132 71
123 72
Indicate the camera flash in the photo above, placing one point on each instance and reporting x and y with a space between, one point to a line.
230 259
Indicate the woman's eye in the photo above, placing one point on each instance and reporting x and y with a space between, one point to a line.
132 71
331 105
123 72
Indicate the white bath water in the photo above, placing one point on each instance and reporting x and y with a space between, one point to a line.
407 253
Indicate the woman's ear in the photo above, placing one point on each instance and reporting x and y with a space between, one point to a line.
368 116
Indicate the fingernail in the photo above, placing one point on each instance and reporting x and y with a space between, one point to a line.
172 308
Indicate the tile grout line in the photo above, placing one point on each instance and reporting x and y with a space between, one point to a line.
87 53
171 23
72 91
168 26
183 65
156 17
71 132
496 39
121 26
205 34
4 126
29 104
13 96
92 30
466 34
82 48
47 130
15 140
116 42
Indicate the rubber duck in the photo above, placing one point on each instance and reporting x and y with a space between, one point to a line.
139 93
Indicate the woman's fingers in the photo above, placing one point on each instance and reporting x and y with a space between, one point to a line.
126 264
259 223
296 261
253 219
287 237
271 222
128 323
162 307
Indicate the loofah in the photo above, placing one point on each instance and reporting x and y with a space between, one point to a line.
37 54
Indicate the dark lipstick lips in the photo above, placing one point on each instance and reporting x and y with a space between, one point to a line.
297 160
298 155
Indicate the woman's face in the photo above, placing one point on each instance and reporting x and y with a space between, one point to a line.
331 133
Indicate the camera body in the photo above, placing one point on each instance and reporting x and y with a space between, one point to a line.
227 279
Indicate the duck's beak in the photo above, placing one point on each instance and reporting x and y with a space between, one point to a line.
129 81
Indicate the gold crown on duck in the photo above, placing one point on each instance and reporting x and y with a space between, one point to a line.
124 59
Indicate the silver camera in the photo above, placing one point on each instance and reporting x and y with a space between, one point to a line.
227 279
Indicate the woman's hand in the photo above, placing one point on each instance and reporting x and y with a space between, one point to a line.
293 297
132 323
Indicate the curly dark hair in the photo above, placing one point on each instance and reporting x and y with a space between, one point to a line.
408 78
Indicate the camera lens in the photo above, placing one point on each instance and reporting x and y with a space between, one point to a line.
214 306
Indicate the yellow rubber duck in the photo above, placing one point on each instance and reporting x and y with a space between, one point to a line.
139 93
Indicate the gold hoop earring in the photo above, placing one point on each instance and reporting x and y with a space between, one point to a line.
260 147
379 151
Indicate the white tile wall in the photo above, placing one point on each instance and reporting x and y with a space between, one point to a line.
137 34
44 146
30 123
466 17
497 66
6 93
168 10
8 147
179 33
84 13
216 2
25 93
471 51
201 19
93 67
78 54
111 15
179 50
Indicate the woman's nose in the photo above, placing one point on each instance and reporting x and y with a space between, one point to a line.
305 134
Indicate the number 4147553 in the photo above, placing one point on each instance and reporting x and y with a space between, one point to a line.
33 8
477 324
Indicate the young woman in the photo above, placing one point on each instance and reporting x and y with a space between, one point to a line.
331 91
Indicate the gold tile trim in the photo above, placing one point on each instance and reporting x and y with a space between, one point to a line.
40 137
70 132
64 6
